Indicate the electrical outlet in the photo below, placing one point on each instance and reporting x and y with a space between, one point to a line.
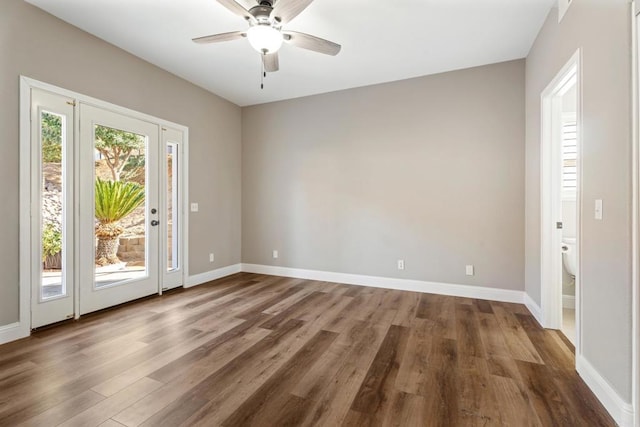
400 264
469 270
194 207
275 253
211 258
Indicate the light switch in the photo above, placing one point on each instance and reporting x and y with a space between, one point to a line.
194 207
598 210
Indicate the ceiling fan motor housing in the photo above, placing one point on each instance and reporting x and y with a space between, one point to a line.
262 13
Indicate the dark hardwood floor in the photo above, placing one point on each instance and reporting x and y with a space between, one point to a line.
271 351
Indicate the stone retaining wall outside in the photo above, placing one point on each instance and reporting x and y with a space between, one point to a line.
131 249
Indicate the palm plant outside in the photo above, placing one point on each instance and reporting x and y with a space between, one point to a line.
114 201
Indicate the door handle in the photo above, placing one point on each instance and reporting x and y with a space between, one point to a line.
154 223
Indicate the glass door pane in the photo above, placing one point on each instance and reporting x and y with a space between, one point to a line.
120 205
173 220
53 232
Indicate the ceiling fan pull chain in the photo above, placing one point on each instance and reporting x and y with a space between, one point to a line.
262 73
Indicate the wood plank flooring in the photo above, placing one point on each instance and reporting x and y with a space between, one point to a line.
271 351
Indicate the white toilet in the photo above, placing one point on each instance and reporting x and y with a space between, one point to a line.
569 255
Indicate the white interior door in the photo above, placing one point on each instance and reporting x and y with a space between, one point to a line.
112 175
52 204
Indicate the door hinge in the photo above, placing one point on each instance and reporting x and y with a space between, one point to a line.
72 103
70 316
559 225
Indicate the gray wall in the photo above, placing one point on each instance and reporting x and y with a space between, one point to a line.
601 28
429 170
35 44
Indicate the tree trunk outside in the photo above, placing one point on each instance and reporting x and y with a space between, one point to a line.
107 250
53 262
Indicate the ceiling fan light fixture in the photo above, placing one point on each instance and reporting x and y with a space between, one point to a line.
264 38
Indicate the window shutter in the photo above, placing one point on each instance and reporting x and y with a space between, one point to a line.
569 157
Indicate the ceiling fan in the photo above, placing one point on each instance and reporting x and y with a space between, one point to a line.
265 33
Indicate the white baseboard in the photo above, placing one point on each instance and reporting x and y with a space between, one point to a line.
467 291
534 308
12 332
569 301
621 411
207 276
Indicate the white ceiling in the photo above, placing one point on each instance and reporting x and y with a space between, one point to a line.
381 41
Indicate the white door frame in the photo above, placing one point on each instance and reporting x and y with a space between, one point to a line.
635 217
23 326
550 199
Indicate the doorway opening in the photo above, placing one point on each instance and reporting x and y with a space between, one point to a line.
569 208
560 202
102 204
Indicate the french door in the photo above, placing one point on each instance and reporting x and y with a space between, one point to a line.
106 189
106 207
52 206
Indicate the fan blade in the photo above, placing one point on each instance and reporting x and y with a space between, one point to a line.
310 42
286 10
237 9
224 37
247 4
271 62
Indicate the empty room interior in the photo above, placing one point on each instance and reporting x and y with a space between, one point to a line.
319 213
